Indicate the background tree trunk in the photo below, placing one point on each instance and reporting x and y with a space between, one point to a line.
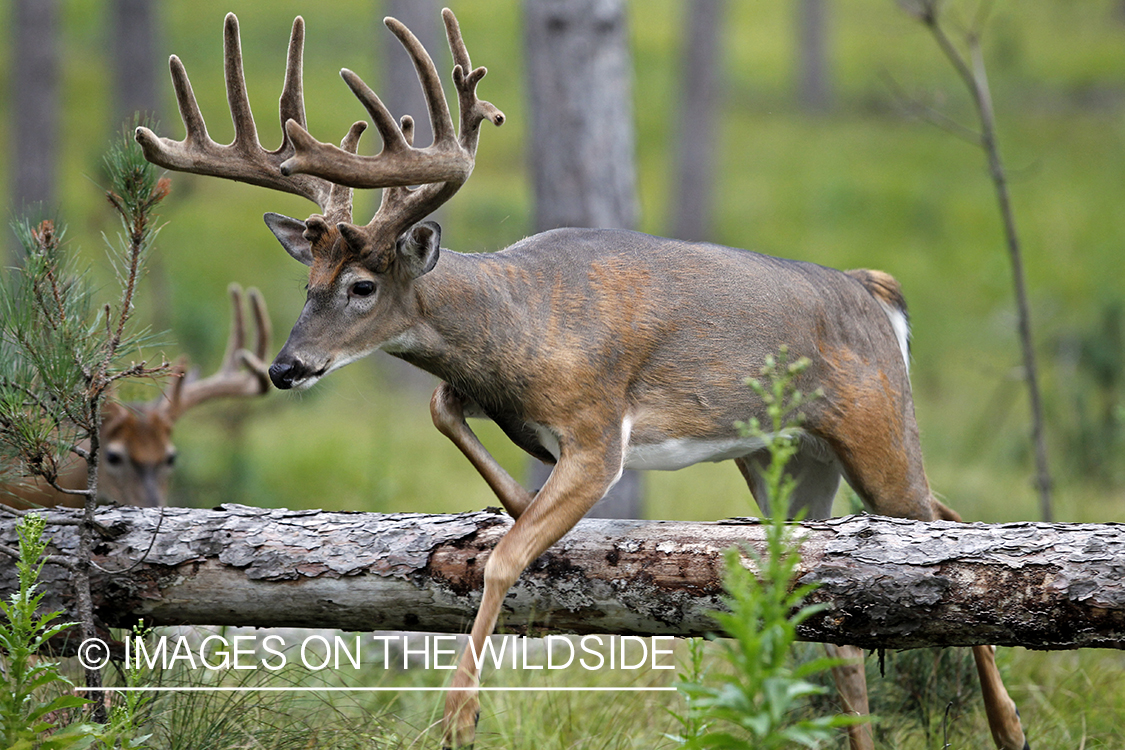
701 60
814 77
35 107
134 31
134 27
582 148
888 582
580 90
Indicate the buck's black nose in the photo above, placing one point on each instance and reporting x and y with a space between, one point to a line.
282 374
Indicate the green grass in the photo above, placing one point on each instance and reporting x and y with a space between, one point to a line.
1068 701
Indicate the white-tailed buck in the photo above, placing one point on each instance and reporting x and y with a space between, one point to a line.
136 438
594 350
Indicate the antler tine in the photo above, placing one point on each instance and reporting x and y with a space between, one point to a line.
398 164
448 160
292 103
428 76
263 332
338 207
243 373
169 401
244 159
473 110
245 132
236 341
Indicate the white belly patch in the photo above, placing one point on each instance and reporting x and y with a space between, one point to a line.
678 453
547 438
667 455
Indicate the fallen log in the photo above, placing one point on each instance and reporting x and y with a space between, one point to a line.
888 583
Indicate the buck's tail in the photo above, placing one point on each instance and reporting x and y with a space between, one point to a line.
887 291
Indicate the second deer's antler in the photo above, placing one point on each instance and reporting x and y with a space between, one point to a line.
243 372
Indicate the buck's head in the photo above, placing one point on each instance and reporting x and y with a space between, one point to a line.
359 293
360 277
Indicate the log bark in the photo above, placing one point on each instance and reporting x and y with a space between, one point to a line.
888 583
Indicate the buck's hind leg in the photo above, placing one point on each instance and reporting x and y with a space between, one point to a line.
1003 718
447 407
817 475
851 684
815 470
882 460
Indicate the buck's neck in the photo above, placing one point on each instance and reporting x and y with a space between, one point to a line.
475 322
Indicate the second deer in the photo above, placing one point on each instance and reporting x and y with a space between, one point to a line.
594 350
138 453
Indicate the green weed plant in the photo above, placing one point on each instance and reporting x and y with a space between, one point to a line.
37 702
130 712
753 706
36 697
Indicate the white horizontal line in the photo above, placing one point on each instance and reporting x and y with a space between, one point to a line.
221 689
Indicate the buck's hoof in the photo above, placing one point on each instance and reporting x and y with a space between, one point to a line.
452 738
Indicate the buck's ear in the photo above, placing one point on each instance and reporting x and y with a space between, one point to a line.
418 249
291 234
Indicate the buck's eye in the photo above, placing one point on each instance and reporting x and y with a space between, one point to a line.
363 289
114 458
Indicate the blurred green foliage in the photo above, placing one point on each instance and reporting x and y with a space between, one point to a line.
862 186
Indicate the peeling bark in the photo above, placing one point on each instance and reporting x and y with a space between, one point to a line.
889 583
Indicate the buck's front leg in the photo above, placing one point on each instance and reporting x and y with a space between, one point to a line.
1003 718
447 408
577 482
